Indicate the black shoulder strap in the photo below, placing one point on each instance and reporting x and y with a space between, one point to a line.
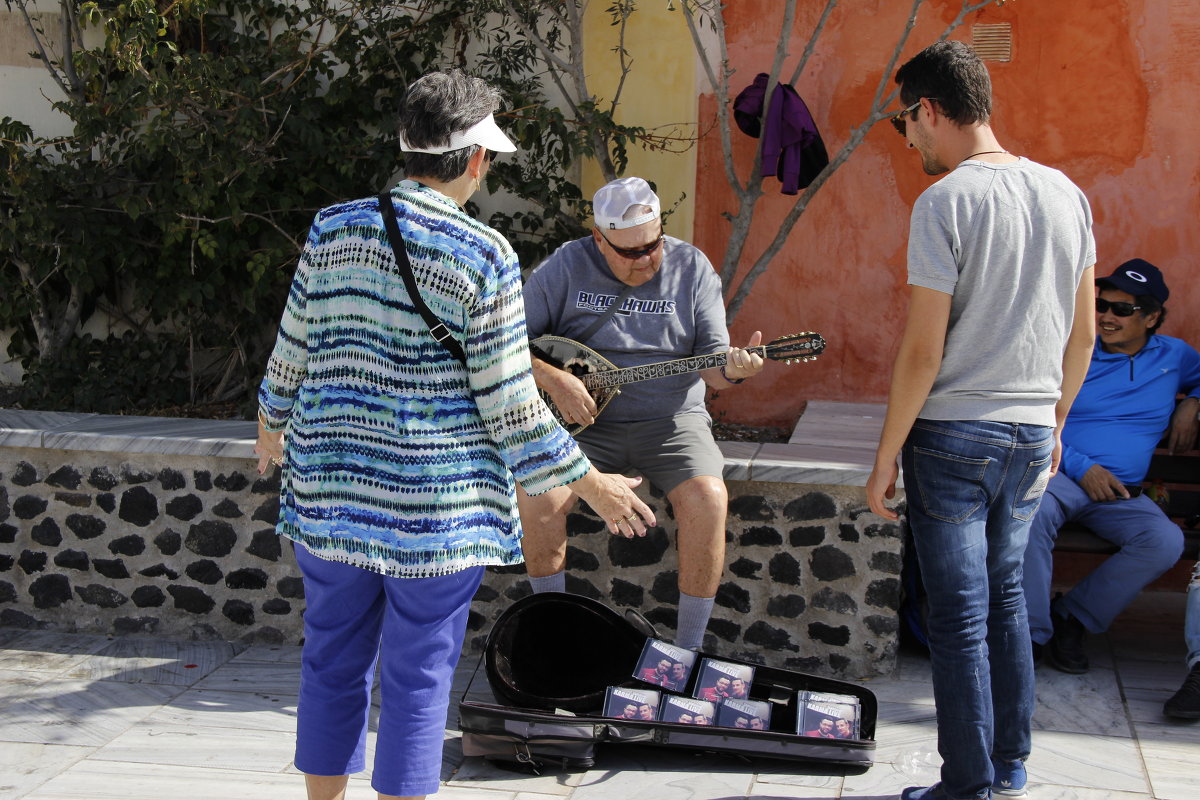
603 318
436 328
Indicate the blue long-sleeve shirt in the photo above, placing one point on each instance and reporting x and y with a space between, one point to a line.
1125 405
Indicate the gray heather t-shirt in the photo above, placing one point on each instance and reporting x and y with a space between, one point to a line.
1010 243
676 314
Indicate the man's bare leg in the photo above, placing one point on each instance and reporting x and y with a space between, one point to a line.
700 506
544 520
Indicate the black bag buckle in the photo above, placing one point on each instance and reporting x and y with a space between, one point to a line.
526 759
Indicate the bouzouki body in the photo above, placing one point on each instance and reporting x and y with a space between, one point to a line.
604 379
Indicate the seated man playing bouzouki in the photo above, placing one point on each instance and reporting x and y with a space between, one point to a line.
668 306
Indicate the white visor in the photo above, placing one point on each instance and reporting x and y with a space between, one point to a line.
485 133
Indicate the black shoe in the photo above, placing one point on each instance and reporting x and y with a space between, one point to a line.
1065 650
1186 702
1037 654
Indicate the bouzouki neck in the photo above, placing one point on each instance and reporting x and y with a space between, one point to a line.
663 369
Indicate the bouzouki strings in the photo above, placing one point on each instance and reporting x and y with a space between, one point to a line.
603 379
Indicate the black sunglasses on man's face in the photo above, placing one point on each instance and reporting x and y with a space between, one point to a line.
898 121
634 253
1118 309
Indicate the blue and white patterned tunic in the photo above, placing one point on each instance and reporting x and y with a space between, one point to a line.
398 460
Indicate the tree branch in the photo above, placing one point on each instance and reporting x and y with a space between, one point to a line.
623 54
882 99
67 60
213 220
719 86
43 55
812 40
552 59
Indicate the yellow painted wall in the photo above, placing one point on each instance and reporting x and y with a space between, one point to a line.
659 91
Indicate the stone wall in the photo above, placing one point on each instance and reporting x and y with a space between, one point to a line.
184 545
811 581
177 545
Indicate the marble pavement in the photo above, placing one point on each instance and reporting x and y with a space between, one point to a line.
134 719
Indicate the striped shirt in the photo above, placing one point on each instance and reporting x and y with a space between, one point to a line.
397 459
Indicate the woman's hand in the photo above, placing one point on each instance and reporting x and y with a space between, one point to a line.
268 448
612 497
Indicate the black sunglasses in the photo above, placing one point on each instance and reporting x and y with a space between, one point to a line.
1119 309
633 253
898 121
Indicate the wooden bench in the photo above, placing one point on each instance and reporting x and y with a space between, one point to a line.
849 432
1180 474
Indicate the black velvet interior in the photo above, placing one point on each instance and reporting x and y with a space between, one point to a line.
552 651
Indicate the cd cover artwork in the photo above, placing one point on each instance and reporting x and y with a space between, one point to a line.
827 720
754 715
665 665
687 711
718 680
625 703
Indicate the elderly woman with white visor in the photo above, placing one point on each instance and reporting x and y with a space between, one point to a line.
403 445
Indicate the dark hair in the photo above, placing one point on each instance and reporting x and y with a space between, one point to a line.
1150 304
952 74
435 106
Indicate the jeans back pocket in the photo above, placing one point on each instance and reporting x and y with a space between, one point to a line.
950 486
1033 485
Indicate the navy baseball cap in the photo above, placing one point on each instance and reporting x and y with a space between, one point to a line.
1137 276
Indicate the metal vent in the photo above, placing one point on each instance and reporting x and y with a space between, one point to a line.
993 42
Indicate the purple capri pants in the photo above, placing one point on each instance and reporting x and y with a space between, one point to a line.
415 626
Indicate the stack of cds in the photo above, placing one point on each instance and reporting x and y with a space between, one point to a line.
720 691
825 715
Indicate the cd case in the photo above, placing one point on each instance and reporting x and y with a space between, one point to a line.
717 680
687 710
754 715
665 665
827 720
622 702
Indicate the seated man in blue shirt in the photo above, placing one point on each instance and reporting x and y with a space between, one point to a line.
1185 704
1124 407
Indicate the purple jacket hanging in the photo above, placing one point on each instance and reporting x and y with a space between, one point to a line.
792 148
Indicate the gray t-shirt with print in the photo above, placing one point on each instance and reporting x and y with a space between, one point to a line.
676 314
1010 243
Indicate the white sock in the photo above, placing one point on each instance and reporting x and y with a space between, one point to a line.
693 620
557 582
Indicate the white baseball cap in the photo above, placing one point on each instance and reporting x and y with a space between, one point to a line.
485 133
614 198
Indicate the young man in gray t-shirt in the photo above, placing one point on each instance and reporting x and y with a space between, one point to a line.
996 345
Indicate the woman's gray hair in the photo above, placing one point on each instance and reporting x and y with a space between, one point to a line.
435 106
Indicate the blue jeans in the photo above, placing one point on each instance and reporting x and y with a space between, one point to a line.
1150 545
972 489
1191 619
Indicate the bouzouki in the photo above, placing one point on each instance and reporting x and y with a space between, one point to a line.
604 379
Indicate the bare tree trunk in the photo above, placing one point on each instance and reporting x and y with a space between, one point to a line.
52 330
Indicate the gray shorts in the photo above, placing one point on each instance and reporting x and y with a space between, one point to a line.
666 451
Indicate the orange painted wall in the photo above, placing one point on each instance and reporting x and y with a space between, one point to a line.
1106 92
